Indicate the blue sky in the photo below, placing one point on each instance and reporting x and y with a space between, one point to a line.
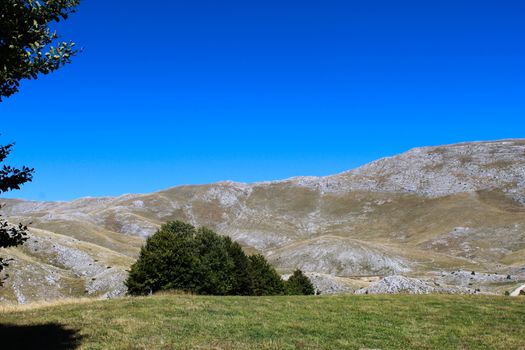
185 92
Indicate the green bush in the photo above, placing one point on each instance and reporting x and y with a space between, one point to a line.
299 284
180 257
167 261
266 281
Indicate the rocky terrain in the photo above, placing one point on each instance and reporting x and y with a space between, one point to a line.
427 218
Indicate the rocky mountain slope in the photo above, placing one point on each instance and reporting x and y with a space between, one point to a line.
429 214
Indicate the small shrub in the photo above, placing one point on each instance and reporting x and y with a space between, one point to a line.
299 284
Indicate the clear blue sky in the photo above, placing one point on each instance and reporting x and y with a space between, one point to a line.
183 92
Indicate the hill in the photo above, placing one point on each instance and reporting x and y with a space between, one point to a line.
432 214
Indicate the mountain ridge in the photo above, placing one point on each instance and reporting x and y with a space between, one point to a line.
518 141
428 210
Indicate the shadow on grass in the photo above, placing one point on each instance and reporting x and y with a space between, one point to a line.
43 336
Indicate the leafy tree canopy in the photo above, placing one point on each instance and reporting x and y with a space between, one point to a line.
11 178
266 281
28 46
180 257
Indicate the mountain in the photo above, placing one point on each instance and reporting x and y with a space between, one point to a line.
449 216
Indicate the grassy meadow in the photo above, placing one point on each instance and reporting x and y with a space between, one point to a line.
287 322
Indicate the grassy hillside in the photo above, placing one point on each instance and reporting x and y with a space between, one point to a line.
329 322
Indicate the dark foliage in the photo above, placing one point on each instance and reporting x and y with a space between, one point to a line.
167 261
242 282
28 47
299 284
266 281
11 179
215 268
180 257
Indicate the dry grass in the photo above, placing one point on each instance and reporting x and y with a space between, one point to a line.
500 164
36 305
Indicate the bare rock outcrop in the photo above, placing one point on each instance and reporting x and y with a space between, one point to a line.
400 284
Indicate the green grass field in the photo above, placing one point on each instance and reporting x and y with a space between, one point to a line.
316 322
